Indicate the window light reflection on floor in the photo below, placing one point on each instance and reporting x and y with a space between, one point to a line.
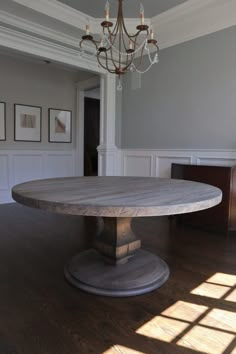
120 349
231 297
162 328
211 290
201 328
205 329
206 340
223 279
185 311
220 319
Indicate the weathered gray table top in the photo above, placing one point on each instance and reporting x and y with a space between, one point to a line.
117 196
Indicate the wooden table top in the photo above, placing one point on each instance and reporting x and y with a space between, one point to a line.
117 196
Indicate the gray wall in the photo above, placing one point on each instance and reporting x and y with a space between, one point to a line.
35 83
188 100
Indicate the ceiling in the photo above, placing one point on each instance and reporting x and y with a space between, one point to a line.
131 7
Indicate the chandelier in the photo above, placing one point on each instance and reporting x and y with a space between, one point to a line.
117 50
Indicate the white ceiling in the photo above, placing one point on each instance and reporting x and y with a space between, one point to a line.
131 7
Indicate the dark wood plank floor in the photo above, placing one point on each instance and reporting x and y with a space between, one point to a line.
40 313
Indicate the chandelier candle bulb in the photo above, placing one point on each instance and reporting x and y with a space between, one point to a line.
107 8
142 14
101 44
87 30
152 34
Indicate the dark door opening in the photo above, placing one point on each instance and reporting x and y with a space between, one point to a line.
91 135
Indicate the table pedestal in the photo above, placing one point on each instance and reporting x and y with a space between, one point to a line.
117 266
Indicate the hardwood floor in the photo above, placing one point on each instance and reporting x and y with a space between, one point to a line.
40 313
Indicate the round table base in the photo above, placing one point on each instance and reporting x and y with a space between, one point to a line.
142 273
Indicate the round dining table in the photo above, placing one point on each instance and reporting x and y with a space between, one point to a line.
117 265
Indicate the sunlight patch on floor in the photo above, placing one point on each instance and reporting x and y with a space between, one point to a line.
162 328
223 279
206 340
206 329
221 319
210 290
231 297
120 349
185 311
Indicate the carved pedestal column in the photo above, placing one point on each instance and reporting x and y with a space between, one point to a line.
117 241
117 266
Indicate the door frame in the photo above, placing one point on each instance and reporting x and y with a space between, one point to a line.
81 87
107 150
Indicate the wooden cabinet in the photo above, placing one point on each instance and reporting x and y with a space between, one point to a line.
223 216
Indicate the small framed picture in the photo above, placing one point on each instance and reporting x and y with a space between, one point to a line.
60 126
27 123
2 121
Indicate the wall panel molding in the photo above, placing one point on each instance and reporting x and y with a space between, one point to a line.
18 166
4 172
127 162
157 163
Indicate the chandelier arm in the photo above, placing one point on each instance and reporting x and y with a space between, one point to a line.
103 66
135 51
123 41
125 29
127 60
89 40
106 67
112 58
128 64
115 29
110 49
111 34
138 33
120 43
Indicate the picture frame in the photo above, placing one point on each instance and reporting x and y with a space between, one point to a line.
27 123
2 121
59 125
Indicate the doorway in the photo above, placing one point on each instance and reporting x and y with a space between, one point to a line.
91 135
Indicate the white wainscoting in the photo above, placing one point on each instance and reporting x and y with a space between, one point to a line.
17 166
157 163
21 166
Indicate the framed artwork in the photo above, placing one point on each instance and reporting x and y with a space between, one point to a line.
2 121
27 123
60 126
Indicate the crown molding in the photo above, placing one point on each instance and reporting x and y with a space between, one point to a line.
58 11
25 25
193 19
189 20
44 49
73 17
